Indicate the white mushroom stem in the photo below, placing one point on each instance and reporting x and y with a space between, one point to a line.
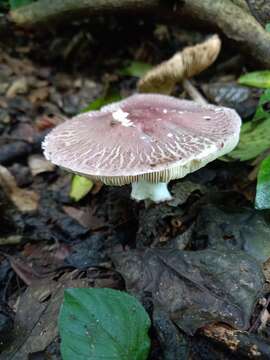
156 192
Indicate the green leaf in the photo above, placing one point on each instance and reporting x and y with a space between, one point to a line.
267 27
80 186
263 108
104 100
255 134
135 68
254 139
14 4
260 79
262 200
103 324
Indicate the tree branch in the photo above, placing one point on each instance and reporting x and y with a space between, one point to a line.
235 23
229 16
47 11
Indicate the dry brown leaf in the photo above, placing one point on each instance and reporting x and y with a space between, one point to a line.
39 94
86 217
35 325
18 66
38 164
185 64
24 200
19 86
97 187
46 122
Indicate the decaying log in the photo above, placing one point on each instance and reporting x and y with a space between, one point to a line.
229 16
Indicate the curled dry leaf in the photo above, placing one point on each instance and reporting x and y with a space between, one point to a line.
185 64
38 164
25 200
19 86
39 94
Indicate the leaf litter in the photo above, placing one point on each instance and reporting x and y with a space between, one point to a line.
196 263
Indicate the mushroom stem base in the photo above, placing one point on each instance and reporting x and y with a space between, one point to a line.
156 192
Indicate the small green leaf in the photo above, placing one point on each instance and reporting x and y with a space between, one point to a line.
267 27
14 4
102 101
260 79
135 68
255 134
263 108
80 186
254 139
262 200
103 324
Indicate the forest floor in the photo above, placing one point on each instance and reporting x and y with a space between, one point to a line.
200 265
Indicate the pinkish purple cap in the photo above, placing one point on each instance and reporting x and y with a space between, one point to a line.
144 137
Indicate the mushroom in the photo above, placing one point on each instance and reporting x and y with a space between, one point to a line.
146 140
191 61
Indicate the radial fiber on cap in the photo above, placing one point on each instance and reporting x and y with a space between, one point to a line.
146 136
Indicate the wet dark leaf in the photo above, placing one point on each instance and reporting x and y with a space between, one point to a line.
182 190
233 229
88 252
154 224
6 324
5 269
241 98
173 342
14 151
195 288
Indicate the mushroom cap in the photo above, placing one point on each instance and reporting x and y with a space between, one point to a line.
146 136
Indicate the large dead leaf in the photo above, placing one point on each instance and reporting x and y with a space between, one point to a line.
36 317
195 287
233 228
